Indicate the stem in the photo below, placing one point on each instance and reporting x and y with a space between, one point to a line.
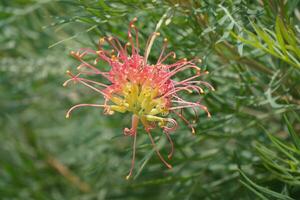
133 131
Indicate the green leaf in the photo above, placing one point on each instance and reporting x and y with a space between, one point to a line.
270 42
289 36
263 190
279 36
295 137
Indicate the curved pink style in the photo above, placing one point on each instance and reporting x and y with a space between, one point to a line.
147 91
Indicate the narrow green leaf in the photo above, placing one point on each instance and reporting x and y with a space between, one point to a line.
281 146
270 42
264 189
289 36
279 36
254 191
295 137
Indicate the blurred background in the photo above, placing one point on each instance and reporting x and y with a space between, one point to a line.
249 149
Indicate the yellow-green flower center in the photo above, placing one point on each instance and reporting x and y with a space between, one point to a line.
142 99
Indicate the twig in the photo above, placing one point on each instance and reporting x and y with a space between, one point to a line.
68 174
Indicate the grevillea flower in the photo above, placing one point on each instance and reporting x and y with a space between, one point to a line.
147 91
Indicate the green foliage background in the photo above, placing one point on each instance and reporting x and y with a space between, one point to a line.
249 149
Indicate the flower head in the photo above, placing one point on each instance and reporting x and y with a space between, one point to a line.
147 91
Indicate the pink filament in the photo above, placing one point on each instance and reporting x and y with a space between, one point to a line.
82 105
157 151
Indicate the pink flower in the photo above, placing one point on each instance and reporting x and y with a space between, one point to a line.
147 91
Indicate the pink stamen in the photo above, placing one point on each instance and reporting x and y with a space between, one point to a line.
157 151
172 127
167 56
149 45
185 121
196 82
192 105
82 105
93 88
162 51
171 143
175 71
